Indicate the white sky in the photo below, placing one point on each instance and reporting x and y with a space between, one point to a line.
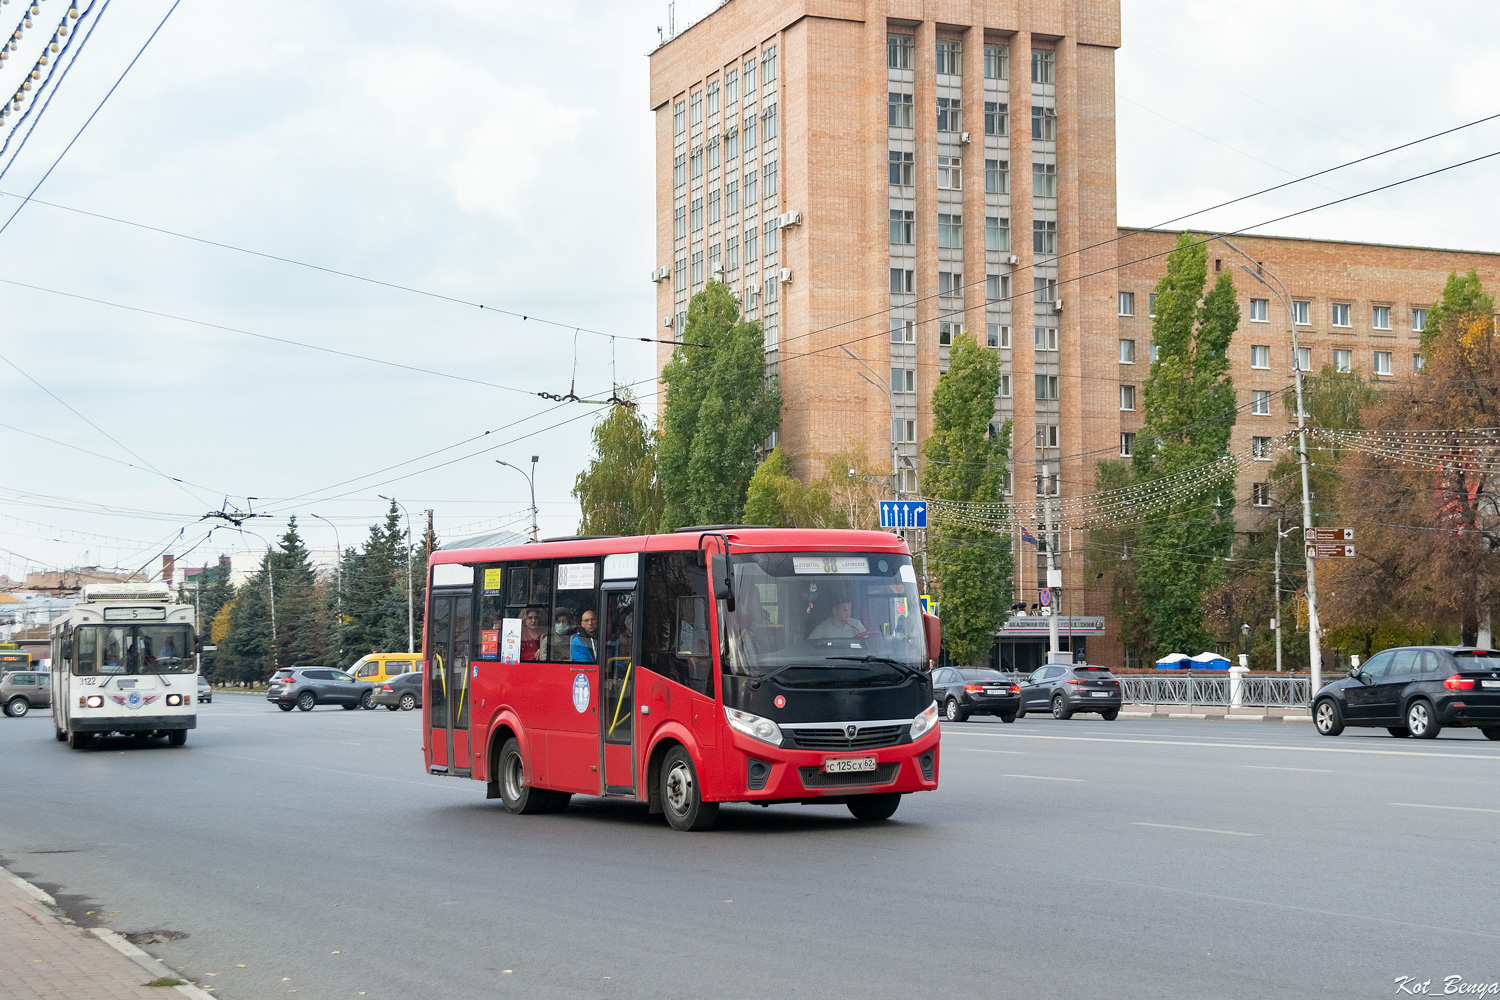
500 152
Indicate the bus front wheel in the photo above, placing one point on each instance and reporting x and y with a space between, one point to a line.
681 797
177 737
873 807
516 795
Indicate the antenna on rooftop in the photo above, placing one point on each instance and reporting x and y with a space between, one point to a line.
672 20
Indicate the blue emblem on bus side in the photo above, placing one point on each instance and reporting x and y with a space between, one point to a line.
581 692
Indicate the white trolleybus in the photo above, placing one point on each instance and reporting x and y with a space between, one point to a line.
124 661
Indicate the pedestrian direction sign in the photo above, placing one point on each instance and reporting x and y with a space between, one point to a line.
1330 550
903 513
1330 535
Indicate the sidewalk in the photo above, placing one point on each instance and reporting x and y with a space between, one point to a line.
1243 713
45 955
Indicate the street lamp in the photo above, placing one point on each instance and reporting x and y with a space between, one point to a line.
411 640
1314 646
895 473
338 580
530 481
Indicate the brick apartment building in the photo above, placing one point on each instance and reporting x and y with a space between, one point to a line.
857 172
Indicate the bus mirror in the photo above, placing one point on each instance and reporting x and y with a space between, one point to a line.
723 583
933 630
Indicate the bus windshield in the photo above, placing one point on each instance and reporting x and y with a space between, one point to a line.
824 619
133 649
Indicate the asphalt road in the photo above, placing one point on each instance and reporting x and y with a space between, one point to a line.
309 853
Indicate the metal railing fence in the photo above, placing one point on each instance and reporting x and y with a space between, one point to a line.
1261 690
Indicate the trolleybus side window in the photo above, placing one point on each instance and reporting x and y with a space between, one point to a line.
675 640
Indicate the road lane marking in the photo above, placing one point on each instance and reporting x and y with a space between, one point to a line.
314 767
1232 746
1268 767
1018 753
1042 777
1424 805
1197 829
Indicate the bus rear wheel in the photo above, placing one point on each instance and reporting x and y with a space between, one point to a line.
78 740
681 797
874 807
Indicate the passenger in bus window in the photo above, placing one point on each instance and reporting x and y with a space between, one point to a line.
559 643
533 634
585 642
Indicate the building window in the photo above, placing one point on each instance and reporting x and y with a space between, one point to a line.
771 230
712 150
747 75
768 130
697 214
772 285
997 177
752 294
769 182
1046 435
1260 402
1260 448
749 131
946 330
1340 314
898 50
1343 361
997 62
1417 362
1418 320
679 170
996 118
997 335
1005 386
713 207
1382 362
997 233
1044 180
949 58
698 268
948 119
950 173
1046 387
1127 307
1300 312
750 247
680 324
1155 353
997 287
731 144
695 163
751 195
732 253
679 222
950 283
1127 444
732 196
1304 359
713 98
1151 311
715 266
772 335
696 104
1043 123
951 231
903 431
902 281
903 380
903 226
1045 338
1259 310
1127 397
1260 494
1260 356
1044 289
679 118
903 331
1380 317
768 66
1043 66
679 279
1127 352
899 112
901 169
731 87
1043 237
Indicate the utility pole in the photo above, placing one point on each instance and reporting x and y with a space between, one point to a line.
1054 645
530 481
1277 585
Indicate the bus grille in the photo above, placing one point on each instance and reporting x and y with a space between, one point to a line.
816 777
867 738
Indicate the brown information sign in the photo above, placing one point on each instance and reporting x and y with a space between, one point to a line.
1330 535
1330 550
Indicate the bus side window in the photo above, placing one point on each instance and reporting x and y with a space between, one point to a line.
576 594
676 641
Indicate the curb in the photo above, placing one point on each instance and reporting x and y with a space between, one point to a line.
155 966
1216 717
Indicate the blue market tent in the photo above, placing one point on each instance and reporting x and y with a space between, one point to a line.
1210 661
1175 661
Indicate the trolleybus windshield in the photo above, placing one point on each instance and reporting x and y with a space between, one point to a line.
133 649
824 619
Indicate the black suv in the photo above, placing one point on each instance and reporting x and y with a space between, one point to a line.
307 687
1068 689
1415 691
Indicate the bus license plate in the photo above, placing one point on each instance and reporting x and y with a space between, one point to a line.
841 765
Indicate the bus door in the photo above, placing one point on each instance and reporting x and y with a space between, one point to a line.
449 679
620 651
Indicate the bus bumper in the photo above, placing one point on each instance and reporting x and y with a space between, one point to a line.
134 723
758 772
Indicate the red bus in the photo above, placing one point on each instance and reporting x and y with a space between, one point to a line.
715 664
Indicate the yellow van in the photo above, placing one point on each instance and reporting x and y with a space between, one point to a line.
381 667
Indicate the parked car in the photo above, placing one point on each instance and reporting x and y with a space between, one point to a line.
380 667
205 690
23 690
307 687
1415 691
1067 689
962 692
402 692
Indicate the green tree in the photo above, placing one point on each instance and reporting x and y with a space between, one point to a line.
619 493
301 631
1464 301
966 464
375 591
778 498
719 410
1189 410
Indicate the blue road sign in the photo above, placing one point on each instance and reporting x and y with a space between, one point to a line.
903 513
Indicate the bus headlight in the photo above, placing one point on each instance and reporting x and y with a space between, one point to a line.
924 722
96 701
756 727
174 699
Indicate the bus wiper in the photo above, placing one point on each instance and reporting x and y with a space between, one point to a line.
758 681
907 668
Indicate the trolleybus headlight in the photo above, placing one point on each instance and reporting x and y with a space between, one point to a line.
96 701
174 699
924 722
754 726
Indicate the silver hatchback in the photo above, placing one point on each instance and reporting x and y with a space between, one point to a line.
23 690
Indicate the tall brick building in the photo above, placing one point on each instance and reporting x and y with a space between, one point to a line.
878 175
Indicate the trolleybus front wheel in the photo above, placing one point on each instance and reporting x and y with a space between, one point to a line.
177 737
681 798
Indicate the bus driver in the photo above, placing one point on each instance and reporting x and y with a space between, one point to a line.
839 624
